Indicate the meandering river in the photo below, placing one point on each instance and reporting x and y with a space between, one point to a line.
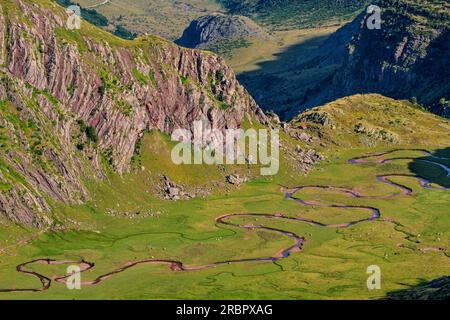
226 220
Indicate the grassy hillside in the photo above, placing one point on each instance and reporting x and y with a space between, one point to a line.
96 18
169 18
372 120
276 55
164 18
289 14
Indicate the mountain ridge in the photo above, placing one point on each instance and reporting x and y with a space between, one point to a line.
416 38
73 102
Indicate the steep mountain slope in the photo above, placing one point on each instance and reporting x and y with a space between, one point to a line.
406 58
76 102
220 31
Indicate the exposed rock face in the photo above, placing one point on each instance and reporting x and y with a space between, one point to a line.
376 133
322 118
407 57
206 31
236 179
173 191
302 160
309 156
69 97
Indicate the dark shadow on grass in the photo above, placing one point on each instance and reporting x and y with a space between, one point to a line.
281 84
424 167
285 84
437 289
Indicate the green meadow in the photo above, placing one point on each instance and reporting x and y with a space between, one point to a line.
408 242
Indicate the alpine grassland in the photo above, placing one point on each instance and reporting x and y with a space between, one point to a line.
140 246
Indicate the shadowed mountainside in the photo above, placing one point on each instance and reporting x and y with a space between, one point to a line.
437 289
434 173
406 59
283 83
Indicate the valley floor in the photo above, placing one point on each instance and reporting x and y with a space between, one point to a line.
279 71
312 239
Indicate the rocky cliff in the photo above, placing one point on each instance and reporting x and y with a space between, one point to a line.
406 58
206 31
73 102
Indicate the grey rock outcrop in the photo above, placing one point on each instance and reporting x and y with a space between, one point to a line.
208 30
